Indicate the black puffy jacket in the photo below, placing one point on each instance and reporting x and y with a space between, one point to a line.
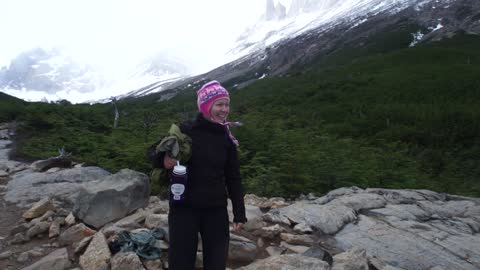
213 169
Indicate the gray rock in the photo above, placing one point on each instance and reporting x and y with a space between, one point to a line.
156 221
126 261
399 247
112 198
82 245
39 228
241 249
293 239
5 255
319 253
288 262
328 219
19 238
57 260
361 201
26 187
97 256
23 257
355 259
294 248
275 251
75 234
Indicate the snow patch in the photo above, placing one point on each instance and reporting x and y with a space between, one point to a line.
439 26
417 37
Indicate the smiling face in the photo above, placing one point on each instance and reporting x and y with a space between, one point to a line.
220 109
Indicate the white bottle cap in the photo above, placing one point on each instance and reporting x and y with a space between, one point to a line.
179 169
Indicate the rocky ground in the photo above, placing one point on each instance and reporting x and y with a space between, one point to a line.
58 215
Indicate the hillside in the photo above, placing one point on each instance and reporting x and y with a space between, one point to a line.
406 118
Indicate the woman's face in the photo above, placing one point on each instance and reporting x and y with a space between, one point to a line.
220 109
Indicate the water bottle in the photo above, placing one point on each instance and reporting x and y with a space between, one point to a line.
178 183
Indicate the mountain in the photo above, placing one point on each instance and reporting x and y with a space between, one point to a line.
332 32
53 75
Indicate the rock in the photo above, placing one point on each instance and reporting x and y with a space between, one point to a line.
252 212
52 170
23 257
57 260
156 221
39 208
19 238
3 173
160 244
70 220
254 224
293 239
131 220
39 228
319 253
241 249
45 217
23 227
153 264
82 245
274 251
75 234
287 262
54 229
97 256
5 255
302 228
126 261
355 259
112 198
294 248
260 242
403 212
43 165
269 232
409 249
27 186
328 219
361 201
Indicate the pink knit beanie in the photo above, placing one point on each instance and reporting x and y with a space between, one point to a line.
210 92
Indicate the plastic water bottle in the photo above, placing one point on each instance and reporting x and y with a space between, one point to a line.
178 183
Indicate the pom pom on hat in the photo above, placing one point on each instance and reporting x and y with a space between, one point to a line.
209 93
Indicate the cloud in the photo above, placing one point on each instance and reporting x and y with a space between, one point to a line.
118 33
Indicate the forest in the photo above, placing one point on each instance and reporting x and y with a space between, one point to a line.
408 118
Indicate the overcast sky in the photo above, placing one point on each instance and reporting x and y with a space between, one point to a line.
99 31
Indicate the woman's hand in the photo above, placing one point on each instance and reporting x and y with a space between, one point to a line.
237 227
169 162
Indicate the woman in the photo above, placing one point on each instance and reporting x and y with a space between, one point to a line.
213 175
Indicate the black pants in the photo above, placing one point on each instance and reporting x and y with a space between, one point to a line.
184 224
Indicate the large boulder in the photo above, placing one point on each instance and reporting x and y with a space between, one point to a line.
112 198
408 247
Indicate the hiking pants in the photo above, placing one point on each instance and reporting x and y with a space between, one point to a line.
184 224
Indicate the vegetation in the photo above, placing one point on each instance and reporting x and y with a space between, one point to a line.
409 118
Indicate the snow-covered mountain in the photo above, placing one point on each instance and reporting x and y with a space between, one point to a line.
290 34
51 74
326 31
